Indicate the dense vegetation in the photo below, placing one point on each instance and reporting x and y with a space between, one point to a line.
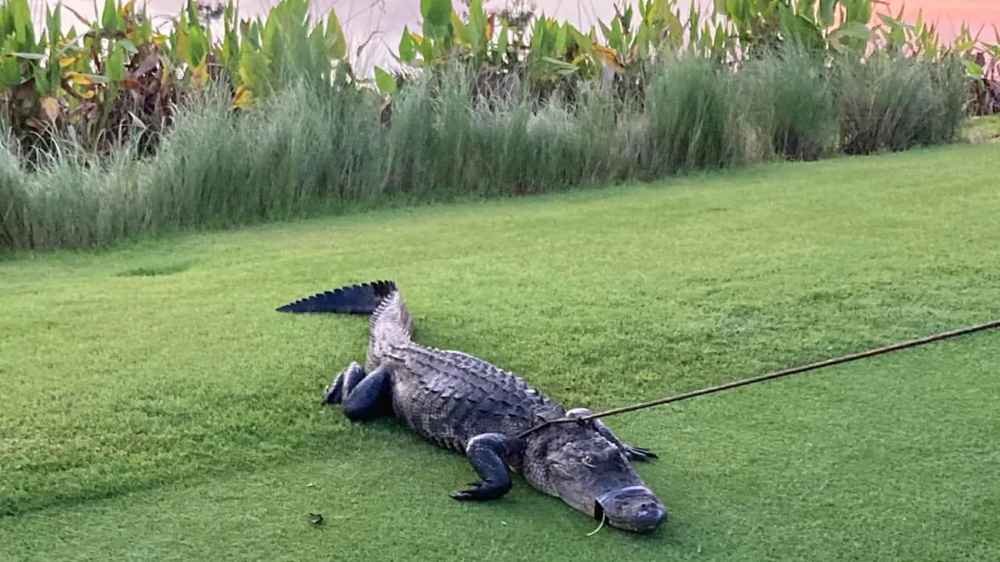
123 129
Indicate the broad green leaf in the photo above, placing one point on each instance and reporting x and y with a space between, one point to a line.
109 17
806 9
859 10
54 22
537 41
250 33
116 65
479 25
129 46
192 11
41 81
407 50
386 82
24 31
560 67
10 72
802 29
827 12
582 41
858 32
731 8
437 18
617 39
199 46
560 44
675 30
436 12
972 69
462 34
502 40
255 71
426 46
335 38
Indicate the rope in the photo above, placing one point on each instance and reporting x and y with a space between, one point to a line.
771 376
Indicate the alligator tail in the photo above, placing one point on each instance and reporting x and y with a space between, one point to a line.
352 299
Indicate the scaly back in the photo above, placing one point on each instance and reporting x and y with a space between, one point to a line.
388 325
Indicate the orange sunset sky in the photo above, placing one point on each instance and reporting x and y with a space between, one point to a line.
951 13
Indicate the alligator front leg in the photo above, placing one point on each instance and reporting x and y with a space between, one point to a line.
632 453
486 453
364 396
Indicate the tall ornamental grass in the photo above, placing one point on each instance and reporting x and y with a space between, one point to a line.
688 117
313 149
895 103
787 99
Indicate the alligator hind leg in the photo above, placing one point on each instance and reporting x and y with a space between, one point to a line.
632 453
370 398
486 453
343 384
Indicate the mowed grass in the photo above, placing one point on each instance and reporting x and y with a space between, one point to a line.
155 407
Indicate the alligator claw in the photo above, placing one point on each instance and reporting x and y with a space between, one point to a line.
479 492
463 495
639 453
332 395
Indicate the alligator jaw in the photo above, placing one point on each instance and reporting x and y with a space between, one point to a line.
634 508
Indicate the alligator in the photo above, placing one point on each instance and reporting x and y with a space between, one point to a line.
466 404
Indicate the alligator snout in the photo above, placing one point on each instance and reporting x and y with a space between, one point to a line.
634 508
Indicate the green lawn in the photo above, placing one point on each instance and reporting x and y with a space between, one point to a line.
155 407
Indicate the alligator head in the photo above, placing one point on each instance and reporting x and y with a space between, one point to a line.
592 474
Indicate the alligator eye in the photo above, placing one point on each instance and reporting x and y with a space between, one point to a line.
587 461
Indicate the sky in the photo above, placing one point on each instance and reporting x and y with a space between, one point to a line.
393 14
949 14
387 17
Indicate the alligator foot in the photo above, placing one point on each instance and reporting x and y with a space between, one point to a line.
486 453
370 398
343 384
630 452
